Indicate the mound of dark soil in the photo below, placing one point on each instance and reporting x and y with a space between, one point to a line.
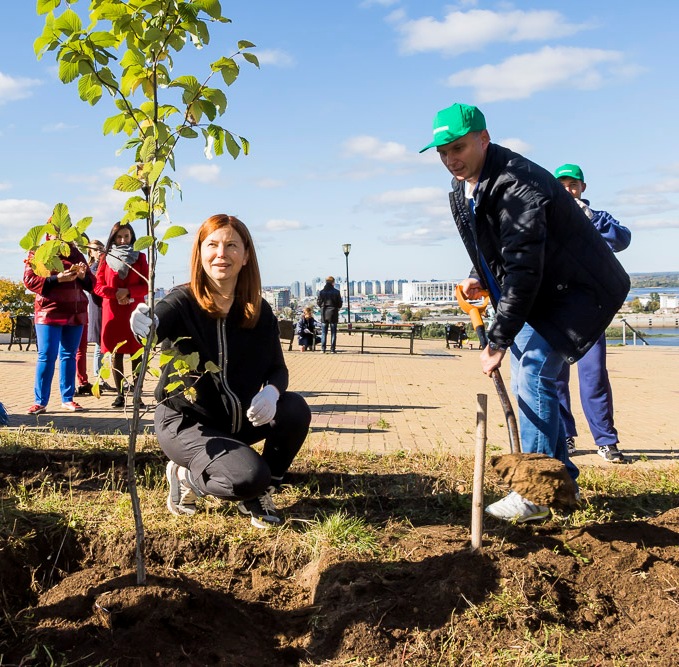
605 594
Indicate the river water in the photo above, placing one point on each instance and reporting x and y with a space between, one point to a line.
653 336
660 335
646 292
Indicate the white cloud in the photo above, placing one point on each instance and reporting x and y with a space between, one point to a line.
5 186
516 145
203 173
275 57
461 32
649 207
13 89
668 185
381 3
374 149
521 76
423 236
279 225
58 127
390 152
269 183
669 222
409 196
17 216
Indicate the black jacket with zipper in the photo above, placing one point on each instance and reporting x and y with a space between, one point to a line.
247 358
554 269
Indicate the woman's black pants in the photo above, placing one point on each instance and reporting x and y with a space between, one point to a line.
224 465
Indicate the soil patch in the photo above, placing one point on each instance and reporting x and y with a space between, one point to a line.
599 594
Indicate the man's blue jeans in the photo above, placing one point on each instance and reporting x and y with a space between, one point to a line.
55 340
535 367
333 335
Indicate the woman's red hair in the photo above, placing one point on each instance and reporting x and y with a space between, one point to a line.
248 296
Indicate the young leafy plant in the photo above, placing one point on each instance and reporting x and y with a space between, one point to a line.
127 53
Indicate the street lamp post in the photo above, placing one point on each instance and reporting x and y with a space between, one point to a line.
346 247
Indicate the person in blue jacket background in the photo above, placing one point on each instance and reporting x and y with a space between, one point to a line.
596 395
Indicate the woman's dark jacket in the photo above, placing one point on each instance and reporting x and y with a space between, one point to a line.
248 359
63 304
554 269
302 324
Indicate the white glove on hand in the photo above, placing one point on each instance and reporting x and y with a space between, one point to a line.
262 410
140 322
586 209
306 331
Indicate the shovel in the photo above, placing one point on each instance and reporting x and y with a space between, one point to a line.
538 477
476 315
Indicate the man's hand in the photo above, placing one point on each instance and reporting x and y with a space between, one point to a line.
491 359
140 322
263 407
471 289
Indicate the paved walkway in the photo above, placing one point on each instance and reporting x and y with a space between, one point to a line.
387 400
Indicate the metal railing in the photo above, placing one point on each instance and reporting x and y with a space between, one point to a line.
635 334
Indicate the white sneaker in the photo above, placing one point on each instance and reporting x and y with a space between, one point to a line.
262 511
514 507
181 498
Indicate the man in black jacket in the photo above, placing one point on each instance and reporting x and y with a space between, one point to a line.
553 281
330 302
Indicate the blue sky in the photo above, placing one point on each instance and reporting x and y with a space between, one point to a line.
336 115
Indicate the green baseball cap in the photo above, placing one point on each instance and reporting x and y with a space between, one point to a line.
454 122
569 171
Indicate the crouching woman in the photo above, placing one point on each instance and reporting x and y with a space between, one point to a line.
221 315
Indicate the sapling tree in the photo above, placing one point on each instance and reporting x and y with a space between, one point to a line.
127 54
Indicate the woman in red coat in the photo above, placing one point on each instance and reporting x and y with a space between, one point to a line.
122 283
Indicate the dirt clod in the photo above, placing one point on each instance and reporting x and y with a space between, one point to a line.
537 477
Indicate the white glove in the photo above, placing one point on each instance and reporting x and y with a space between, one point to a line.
306 331
262 410
140 322
586 209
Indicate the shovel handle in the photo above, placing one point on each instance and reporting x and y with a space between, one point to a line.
475 313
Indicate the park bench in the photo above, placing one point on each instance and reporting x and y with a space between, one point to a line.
408 331
22 328
287 331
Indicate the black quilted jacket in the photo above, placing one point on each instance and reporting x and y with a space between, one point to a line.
554 269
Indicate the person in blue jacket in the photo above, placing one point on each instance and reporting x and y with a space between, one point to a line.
306 330
596 395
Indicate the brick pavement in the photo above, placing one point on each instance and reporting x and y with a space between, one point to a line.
387 400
